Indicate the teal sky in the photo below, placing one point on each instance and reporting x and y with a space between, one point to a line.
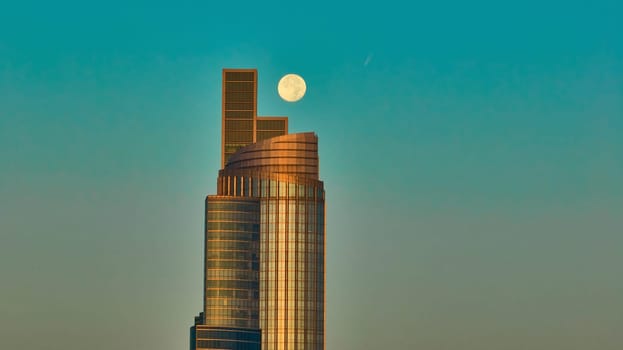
472 154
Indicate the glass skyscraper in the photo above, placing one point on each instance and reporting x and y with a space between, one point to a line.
264 233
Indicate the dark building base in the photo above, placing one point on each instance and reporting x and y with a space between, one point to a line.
206 337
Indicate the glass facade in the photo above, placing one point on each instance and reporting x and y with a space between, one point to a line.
225 338
292 269
241 125
230 317
239 110
292 248
267 127
292 237
264 272
232 262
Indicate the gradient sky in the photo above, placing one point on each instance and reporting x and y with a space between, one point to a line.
472 154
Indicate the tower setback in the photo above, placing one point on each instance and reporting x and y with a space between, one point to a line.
264 273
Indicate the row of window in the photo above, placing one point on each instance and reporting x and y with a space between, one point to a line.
292 213
274 207
238 125
302 262
290 266
301 297
305 283
291 313
310 220
309 291
291 250
239 136
297 311
232 322
290 274
239 106
232 284
228 293
233 86
292 258
229 312
271 290
239 115
239 96
292 227
232 216
231 255
263 135
232 245
233 303
301 270
288 241
231 345
292 345
271 124
253 187
232 274
300 284
239 76
293 331
281 326
292 217
310 296
289 263
271 297
228 335
232 264
233 205
275 243
274 343
233 236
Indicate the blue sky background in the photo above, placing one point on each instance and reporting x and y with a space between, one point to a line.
472 154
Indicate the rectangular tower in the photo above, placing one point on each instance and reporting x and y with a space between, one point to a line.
267 127
239 110
240 124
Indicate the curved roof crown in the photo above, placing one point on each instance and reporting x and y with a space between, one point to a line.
291 154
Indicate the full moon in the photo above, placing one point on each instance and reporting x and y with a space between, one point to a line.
291 87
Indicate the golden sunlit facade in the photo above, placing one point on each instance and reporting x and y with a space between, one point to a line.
267 127
239 110
240 124
230 317
269 201
282 172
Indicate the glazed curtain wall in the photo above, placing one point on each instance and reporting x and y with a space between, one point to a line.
209 338
232 262
292 247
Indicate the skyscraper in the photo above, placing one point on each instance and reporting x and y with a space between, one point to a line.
264 233
240 124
